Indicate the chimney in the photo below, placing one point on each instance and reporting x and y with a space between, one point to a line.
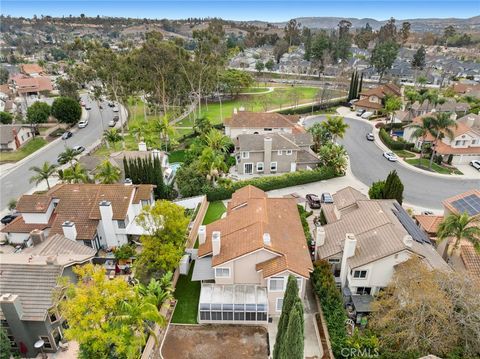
69 230
51 260
348 251
37 236
202 234
408 241
127 182
267 154
142 146
215 243
267 241
11 306
106 211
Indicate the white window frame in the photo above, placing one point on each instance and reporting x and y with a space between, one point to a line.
222 276
262 165
334 260
280 152
245 155
299 284
245 165
276 304
276 278
289 152
272 165
359 273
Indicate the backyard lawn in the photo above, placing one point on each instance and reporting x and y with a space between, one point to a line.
435 167
214 212
187 294
27 149
176 156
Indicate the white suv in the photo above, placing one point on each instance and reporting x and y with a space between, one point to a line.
83 124
475 164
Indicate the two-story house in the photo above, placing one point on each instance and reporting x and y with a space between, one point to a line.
27 283
245 259
373 99
99 215
274 153
364 240
450 106
249 123
462 148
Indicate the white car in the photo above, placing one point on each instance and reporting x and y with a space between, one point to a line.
367 115
83 124
390 156
475 164
115 109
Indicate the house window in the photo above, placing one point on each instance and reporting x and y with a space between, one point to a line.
145 202
457 142
279 304
121 224
289 152
48 344
299 284
279 152
334 260
222 272
273 166
53 316
276 284
245 154
267 129
360 274
259 166
474 142
364 290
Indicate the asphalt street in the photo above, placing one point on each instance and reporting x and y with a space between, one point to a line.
368 165
16 181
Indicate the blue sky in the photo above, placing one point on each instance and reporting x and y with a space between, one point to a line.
269 10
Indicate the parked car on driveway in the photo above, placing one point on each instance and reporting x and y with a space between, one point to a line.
475 164
83 124
370 136
66 135
392 157
313 201
367 115
326 198
78 149
9 218
360 112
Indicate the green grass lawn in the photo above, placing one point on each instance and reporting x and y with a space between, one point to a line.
27 149
253 90
176 156
214 212
404 154
187 294
437 168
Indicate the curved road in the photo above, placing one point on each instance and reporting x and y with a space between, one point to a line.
15 181
368 165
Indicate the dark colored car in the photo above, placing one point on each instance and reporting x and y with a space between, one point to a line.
111 104
313 201
66 135
8 218
116 118
326 198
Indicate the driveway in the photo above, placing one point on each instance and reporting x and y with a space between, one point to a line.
15 181
215 342
368 165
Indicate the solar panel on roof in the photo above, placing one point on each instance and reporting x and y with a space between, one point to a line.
469 204
416 232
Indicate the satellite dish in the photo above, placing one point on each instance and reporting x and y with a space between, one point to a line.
39 344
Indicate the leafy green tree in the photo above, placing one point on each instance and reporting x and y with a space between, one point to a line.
292 32
68 88
5 118
333 156
321 47
12 204
376 190
74 174
68 156
270 65
418 61
5 346
43 173
460 226
336 126
405 31
112 137
281 47
189 182
259 66
38 112
4 74
107 173
232 80
393 187
66 110
383 56
442 125
163 246
294 336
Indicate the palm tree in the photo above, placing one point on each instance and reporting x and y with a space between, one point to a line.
107 173
74 174
162 289
43 173
392 104
112 136
67 156
217 141
421 130
335 126
460 226
166 130
212 163
319 134
442 125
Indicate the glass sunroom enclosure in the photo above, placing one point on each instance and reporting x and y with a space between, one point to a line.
233 303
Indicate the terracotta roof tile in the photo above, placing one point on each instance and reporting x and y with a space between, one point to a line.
471 259
18 225
429 223
33 203
31 68
367 104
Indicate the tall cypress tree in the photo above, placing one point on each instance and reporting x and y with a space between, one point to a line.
361 84
350 90
393 187
294 337
126 168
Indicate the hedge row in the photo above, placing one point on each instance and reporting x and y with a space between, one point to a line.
269 183
332 305
308 109
394 145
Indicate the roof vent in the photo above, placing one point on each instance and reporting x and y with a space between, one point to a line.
127 182
408 241
266 239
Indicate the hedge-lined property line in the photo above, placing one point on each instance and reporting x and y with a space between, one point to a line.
394 145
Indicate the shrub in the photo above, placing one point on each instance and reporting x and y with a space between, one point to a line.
306 229
5 118
394 145
269 183
376 191
66 110
125 252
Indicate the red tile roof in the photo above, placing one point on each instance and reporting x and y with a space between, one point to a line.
31 69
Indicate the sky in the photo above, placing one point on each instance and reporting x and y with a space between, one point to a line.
266 10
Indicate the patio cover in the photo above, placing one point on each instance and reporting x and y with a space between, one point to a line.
362 303
203 269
